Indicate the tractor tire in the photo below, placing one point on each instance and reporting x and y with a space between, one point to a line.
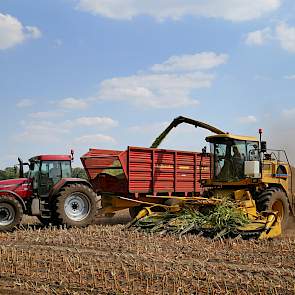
11 213
274 199
75 206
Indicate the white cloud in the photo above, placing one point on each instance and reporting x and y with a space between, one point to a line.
286 36
97 122
282 33
154 90
41 132
46 115
94 139
73 103
233 10
248 119
193 62
12 32
33 32
290 77
167 85
24 103
258 37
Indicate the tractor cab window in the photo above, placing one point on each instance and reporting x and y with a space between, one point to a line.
55 170
52 170
34 169
229 158
66 169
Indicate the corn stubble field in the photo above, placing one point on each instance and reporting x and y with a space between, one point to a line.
106 259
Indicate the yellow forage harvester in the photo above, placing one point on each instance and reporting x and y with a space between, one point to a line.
249 194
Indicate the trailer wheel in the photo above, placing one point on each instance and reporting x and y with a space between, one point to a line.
11 213
274 199
75 205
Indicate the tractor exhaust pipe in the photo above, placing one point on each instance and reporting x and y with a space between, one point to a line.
21 167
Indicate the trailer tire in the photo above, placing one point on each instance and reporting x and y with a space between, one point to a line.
11 213
274 199
75 206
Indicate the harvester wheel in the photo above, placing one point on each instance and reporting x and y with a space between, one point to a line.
75 205
11 213
274 199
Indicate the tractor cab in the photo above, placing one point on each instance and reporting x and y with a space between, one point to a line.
49 192
235 158
47 170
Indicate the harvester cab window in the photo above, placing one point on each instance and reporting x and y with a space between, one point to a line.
252 151
229 159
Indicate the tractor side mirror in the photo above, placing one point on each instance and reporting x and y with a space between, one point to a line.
263 147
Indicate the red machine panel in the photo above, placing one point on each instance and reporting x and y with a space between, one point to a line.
146 171
155 171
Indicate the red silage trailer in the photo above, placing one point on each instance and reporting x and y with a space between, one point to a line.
141 176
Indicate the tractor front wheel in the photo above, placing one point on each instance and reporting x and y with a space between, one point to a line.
11 213
75 205
274 199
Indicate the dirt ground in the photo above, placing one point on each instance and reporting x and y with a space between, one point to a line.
107 259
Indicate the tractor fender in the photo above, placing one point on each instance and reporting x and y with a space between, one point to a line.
65 181
16 196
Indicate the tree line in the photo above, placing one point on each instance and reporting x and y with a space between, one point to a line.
13 172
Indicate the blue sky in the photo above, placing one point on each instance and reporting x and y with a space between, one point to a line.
108 74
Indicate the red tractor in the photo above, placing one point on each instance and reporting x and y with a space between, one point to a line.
48 192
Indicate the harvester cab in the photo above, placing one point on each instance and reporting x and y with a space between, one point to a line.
258 181
236 159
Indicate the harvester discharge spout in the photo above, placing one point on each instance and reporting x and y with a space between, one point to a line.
179 120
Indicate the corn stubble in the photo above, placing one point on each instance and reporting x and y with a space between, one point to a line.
111 260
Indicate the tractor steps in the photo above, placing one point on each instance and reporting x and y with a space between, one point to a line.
45 207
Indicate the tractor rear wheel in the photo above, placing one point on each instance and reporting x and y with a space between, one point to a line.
274 199
75 205
11 213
